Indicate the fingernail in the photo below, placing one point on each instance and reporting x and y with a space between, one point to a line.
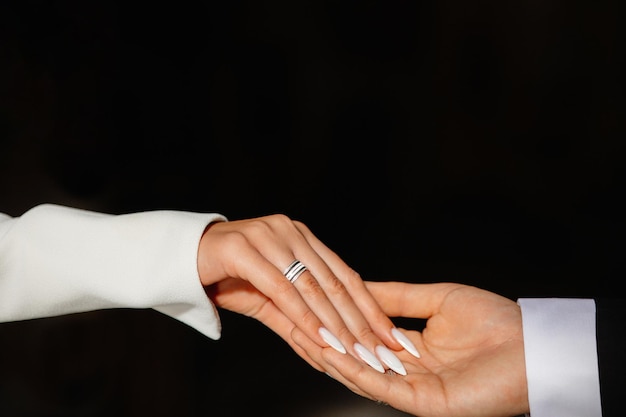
369 357
390 359
331 340
405 342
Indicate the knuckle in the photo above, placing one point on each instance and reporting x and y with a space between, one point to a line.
313 290
335 287
286 289
365 333
234 241
284 223
343 333
309 318
353 277
301 226
351 280
279 220
272 225
259 227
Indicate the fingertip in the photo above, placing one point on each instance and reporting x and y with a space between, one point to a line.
332 340
405 342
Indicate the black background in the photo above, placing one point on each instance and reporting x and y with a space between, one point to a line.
479 142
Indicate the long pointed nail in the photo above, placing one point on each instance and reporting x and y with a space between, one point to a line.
369 357
390 359
331 340
405 342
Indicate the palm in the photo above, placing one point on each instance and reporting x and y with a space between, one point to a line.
471 349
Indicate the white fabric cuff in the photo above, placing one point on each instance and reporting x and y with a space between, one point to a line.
561 357
58 260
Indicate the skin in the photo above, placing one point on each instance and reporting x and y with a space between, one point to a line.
472 353
240 263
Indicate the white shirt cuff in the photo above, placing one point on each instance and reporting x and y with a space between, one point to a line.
561 357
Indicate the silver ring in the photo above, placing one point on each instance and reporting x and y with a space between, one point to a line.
294 270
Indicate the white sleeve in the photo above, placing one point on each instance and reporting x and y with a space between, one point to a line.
561 357
56 260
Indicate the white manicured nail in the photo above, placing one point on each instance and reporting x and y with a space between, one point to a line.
405 342
390 359
369 357
331 340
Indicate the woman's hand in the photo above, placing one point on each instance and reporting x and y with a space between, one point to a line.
241 264
472 353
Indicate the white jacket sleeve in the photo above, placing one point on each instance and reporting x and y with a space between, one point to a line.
561 357
56 260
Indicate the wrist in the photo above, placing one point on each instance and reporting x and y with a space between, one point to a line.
205 267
